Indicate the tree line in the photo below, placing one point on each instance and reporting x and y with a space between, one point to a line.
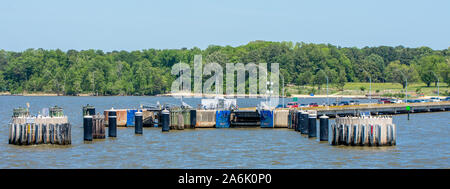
147 72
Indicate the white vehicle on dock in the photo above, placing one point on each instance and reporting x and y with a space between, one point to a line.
396 101
435 99
218 103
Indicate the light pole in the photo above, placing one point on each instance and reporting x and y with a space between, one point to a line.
282 78
328 101
268 92
370 88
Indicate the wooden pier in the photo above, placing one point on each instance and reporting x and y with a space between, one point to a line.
380 109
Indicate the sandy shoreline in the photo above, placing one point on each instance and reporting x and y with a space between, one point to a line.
38 94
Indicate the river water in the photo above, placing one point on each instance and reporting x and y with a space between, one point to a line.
422 142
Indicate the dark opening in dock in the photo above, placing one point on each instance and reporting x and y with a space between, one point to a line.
245 118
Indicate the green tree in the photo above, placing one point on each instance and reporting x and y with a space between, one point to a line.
2 82
400 73
340 82
320 78
146 72
304 78
427 67
444 71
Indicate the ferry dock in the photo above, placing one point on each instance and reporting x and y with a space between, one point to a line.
380 109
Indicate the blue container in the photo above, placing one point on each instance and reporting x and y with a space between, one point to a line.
266 119
223 118
130 117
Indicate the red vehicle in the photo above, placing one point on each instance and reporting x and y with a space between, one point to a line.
385 101
313 104
292 105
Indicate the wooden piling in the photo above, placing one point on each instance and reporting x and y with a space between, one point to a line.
98 126
180 121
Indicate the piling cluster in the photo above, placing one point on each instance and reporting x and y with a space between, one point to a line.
281 118
93 127
180 119
363 131
32 133
355 131
371 131
51 128
205 118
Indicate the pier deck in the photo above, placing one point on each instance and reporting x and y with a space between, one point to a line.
376 109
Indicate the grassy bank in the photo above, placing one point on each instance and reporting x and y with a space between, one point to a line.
350 89
381 89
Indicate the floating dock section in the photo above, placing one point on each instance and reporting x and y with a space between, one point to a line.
176 120
205 118
266 118
121 116
130 116
245 118
281 118
223 118
181 119
151 117
125 117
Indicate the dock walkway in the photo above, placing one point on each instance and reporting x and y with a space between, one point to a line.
376 109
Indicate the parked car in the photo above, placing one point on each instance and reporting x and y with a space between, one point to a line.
313 104
354 102
446 99
423 100
410 101
435 99
281 106
396 101
344 103
303 105
385 101
292 104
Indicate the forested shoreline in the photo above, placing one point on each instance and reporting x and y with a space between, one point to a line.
147 72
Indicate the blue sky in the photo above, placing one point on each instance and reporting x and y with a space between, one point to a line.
135 25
